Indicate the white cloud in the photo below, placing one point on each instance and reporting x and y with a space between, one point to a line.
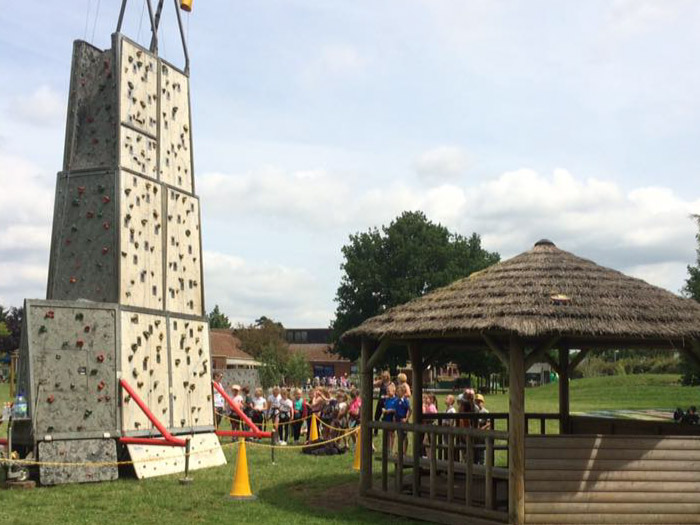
441 163
43 106
333 63
245 290
636 16
592 217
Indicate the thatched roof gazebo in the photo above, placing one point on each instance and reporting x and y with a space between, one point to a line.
522 308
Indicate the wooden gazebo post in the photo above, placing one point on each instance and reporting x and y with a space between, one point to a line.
414 351
564 389
367 387
516 432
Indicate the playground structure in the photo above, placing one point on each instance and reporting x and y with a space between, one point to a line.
116 360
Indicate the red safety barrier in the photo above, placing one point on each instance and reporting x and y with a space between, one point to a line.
255 432
168 439
3 441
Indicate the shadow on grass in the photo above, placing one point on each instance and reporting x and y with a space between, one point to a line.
332 497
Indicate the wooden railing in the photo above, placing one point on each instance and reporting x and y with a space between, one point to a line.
493 419
451 469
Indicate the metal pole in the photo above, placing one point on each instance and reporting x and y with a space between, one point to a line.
274 445
121 16
159 11
187 480
182 37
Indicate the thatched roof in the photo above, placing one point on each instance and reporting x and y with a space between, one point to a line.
542 292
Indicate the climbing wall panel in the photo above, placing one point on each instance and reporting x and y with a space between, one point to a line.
89 451
83 247
138 153
175 140
183 259
141 234
191 369
91 133
139 89
144 365
71 352
205 452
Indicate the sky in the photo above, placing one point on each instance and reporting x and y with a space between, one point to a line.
315 119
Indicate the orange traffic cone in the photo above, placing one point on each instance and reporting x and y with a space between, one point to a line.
357 459
240 489
313 434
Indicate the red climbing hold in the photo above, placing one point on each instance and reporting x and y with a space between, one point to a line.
48 315
86 329
105 225
79 343
100 358
101 385
81 190
50 399
105 199
72 280
90 214
105 249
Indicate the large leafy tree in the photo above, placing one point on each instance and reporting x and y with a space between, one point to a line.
217 319
391 265
11 319
691 374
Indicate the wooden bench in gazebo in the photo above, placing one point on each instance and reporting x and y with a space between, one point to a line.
536 306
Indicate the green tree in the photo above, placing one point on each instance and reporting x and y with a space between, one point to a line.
217 319
12 319
297 370
691 374
273 366
392 265
264 335
4 331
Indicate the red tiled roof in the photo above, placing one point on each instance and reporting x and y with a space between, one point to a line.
317 352
224 343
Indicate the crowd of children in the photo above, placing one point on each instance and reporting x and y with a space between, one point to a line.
288 411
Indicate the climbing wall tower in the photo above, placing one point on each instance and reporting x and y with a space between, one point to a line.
125 293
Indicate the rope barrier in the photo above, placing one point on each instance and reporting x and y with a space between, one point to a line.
99 464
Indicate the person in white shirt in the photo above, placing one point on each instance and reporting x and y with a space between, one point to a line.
259 407
285 416
273 407
219 404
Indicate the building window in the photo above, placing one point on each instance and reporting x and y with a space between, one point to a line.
324 371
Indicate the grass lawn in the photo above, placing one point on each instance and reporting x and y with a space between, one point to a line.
298 489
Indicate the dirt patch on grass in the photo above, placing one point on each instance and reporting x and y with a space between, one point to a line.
333 498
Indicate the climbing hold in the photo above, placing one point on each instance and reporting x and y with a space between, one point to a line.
100 188
79 343
86 329
49 315
76 202
87 413
105 225
101 385
100 358
72 280
90 215
81 190
42 329
50 399
105 199
79 316
105 249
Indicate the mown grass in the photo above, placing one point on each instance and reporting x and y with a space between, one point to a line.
297 488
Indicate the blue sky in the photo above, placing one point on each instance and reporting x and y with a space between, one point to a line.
312 119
